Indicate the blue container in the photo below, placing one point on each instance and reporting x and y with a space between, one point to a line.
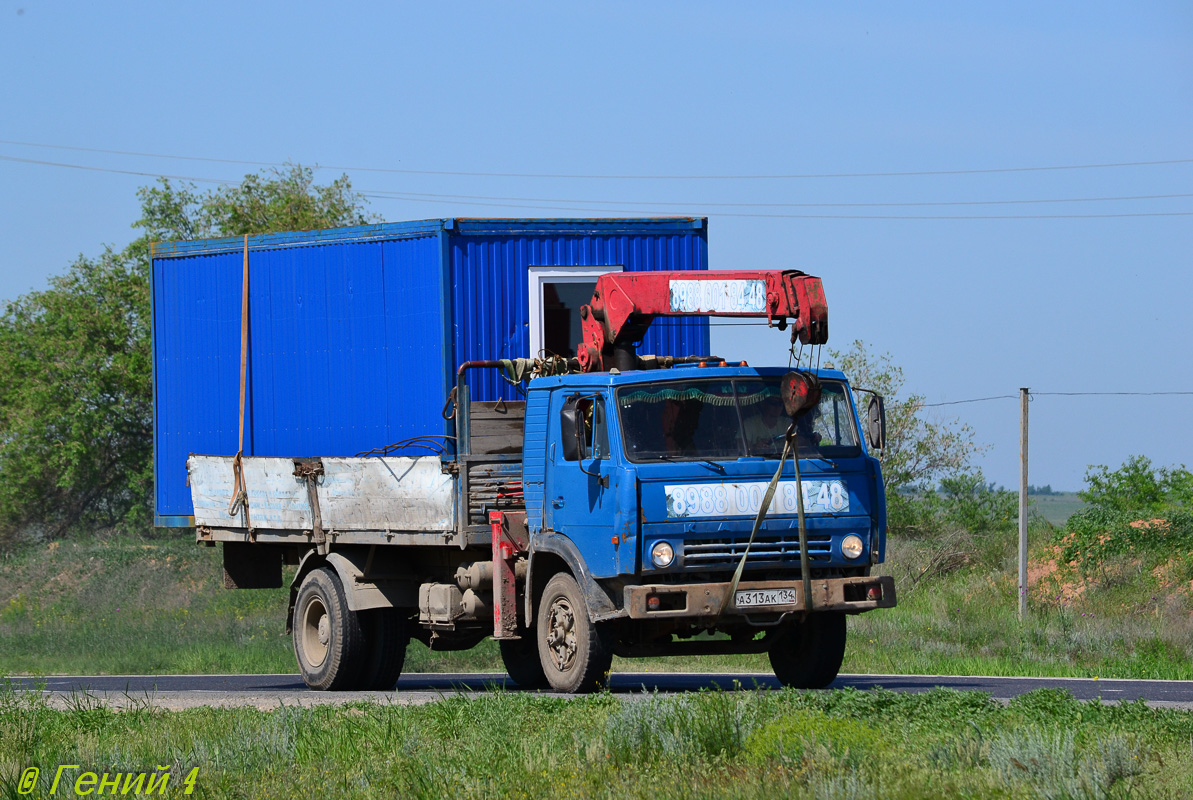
355 333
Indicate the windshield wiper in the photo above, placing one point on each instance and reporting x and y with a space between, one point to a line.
803 456
706 462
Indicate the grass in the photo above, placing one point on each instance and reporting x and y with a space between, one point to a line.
747 744
157 606
125 605
1055 508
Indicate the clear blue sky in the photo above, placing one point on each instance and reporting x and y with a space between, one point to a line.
969 308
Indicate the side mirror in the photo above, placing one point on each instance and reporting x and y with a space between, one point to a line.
876 422
570 430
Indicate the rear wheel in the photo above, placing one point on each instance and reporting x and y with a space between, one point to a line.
386 635
809 654
521 660
328 641
573 652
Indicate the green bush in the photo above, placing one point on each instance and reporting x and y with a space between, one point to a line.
1138 487
964 501
1098 533
1135 510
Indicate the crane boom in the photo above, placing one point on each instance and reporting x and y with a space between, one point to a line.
625 303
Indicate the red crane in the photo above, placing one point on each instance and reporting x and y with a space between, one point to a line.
625 303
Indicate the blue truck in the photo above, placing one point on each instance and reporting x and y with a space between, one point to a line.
451 431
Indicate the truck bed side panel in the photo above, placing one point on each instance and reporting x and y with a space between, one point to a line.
396 494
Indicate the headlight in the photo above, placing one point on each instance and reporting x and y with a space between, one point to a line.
662 554
851 546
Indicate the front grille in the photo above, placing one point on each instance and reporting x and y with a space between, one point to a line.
767 550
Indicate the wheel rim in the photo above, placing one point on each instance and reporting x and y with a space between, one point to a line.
561 634
316 632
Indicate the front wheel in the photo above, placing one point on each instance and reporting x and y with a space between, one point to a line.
809 654
573 651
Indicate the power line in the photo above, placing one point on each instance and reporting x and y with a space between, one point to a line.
454 198
1059 394
583 176
972 400
588 209
1109 394
112 170
613 209
148 155
657 203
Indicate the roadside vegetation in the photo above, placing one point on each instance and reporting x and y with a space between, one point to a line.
87 586
748 744
1111 596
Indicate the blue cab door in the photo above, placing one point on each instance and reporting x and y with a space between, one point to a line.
582 487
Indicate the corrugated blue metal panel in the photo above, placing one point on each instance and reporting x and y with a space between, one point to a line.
195 344
358 233
491 291
416 316
355 333
534 469
333 332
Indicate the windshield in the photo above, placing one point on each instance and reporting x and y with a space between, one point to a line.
729 419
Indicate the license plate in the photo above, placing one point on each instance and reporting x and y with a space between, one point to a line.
753 598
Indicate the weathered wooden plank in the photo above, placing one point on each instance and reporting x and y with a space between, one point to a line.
399 494
514 409
496 427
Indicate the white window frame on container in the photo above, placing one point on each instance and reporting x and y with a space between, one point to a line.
538 276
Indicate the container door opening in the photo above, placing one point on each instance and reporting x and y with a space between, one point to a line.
561 315
556 295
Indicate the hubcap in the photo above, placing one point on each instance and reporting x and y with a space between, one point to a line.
324 630
316 632
561 634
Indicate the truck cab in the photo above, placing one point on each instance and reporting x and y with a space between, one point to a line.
645 486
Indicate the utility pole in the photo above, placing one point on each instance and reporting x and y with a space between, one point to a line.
1023 399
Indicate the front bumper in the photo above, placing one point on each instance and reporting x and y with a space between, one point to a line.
700 600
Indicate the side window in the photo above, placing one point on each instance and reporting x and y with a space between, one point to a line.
596 432
590 418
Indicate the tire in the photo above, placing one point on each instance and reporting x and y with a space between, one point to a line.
573 652
521 660
809 654
328 641
386 635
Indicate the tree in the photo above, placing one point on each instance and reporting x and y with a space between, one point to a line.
74 397
275 200
922 452
76 439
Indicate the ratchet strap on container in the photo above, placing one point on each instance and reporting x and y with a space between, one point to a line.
240 496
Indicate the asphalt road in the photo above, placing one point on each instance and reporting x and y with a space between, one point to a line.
270 691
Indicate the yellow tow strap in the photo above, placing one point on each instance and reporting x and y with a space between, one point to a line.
240 496
790 445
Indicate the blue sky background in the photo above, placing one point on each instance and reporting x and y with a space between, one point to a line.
969 307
